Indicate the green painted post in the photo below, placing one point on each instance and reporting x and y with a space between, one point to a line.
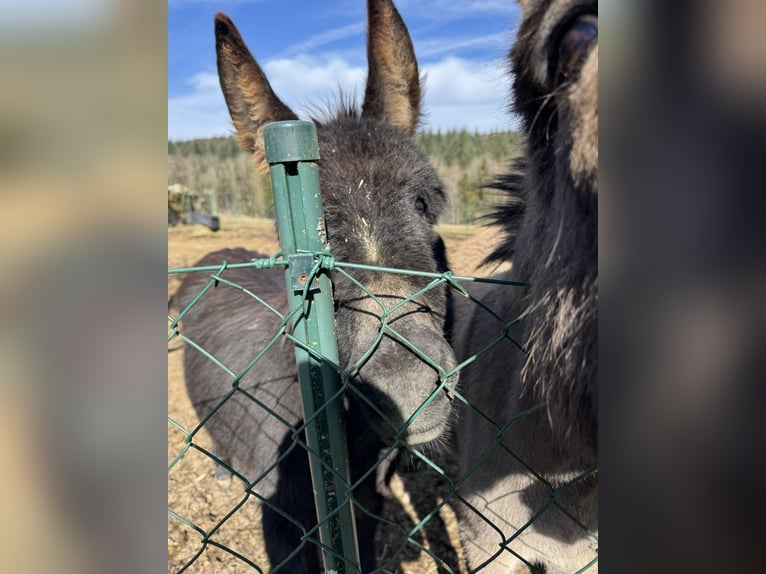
292 152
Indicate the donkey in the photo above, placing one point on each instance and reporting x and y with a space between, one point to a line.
381 200
537 410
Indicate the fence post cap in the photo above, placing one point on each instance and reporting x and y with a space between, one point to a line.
292 140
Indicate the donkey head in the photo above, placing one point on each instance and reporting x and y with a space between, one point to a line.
551 220
381 200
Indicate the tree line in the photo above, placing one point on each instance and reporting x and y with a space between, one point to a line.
219 168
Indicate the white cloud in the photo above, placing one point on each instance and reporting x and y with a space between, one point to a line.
463 94
199 113
305 82
459 94
456 9
204 81
327 37
180 3
434 46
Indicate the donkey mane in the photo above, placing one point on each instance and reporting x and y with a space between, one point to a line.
507 214
341 106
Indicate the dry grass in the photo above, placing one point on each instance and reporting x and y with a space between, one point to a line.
192 490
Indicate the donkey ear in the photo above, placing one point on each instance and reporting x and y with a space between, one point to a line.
393 81
251 101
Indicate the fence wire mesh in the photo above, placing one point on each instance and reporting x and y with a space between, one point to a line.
435 462
314 430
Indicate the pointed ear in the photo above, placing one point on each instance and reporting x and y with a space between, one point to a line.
393 81
251 101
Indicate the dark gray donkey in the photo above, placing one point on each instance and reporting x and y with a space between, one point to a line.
381 200
549 223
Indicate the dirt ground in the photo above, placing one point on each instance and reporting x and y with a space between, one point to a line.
195 496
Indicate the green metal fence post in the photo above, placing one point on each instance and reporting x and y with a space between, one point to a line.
292 152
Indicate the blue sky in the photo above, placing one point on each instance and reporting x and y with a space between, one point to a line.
310 49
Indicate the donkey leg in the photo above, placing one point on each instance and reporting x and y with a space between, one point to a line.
363 455
369 498
293 497
222 475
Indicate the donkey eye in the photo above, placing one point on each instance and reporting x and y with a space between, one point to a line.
574 42
420 206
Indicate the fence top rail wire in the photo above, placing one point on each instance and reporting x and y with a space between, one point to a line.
327 262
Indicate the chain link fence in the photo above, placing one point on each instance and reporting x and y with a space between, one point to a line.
338 501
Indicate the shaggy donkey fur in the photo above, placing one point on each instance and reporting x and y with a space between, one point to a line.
549 223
